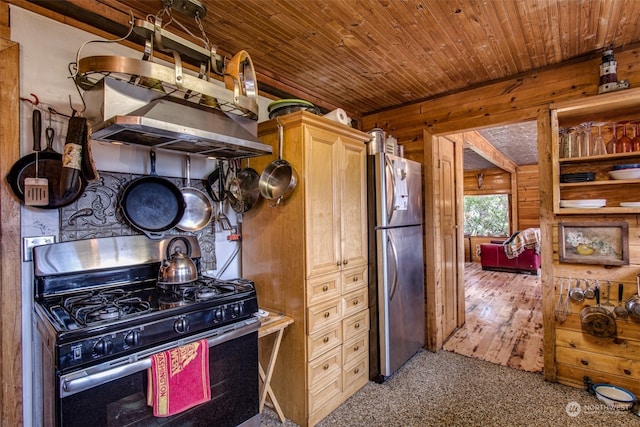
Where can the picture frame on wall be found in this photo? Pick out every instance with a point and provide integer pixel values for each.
(603, 243)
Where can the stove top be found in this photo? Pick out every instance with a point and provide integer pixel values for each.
(108, 304)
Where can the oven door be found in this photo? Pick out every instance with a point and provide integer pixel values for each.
(108, 395)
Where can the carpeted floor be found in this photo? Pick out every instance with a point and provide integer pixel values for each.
(446, 389)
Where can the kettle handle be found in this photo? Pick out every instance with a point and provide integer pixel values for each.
(184, 240)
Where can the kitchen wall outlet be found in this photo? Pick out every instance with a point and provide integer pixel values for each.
(28, 243)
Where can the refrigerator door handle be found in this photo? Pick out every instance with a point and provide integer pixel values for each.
(391, 187)
(394, 282)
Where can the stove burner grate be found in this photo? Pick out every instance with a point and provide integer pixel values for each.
(104, 305)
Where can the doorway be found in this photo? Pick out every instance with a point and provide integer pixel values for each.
(501, 312)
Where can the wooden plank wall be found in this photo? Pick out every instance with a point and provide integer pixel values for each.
(10, 260)
(526, 97)
(528, 197)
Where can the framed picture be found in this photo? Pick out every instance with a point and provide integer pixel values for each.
(594, 243)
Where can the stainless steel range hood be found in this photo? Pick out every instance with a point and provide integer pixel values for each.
(122, 113)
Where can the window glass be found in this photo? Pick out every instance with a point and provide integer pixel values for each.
(486, 215)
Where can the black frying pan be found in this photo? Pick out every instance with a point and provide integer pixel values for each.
(152, 204)
(49, 167)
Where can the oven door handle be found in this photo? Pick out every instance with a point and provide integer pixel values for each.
(85, 379)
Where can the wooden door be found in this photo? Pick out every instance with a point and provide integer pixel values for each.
(449, 233)
(322, 202)
(353, 210)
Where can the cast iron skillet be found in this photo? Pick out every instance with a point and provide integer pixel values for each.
(152, 204)
(49, 167)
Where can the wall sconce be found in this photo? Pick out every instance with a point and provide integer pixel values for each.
(480, 178)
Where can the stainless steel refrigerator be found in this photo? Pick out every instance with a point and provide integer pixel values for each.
(396, 273)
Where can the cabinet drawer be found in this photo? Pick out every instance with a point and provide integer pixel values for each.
(355, 348)
(323, 394)
(355, 375)
(323, 288)
(355, 301)
(354, 278)
(325, 368)
(324, 314)
(354, 325)
(323, 340)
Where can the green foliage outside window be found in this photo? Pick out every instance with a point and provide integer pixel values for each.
(486, 215)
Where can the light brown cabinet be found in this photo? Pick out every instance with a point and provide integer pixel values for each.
(617, 107)
(308, 258)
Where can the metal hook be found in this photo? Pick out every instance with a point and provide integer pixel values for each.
(36, 100)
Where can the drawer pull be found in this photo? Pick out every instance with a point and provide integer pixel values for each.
(356, 348)
(339, 263)
(326, 366)
(355, 302)
(345, 262)
(325, 288)
(356, 371)
(325, 340)
(326, 315)
(357, 326)
(355, 278)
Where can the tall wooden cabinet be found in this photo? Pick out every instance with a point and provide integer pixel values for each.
(308, 258)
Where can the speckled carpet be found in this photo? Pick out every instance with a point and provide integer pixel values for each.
(446, 389)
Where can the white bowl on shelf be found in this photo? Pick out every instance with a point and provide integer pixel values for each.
(625, 174)
(584, 203)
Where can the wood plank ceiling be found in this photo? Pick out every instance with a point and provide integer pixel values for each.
(371, 55)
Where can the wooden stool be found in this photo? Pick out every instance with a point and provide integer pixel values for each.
(274, 322)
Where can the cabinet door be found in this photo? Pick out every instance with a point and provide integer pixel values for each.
(353, 209)
(322, 202)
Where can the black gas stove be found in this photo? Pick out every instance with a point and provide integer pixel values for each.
(100, 314)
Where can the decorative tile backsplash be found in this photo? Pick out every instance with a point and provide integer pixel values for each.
(97, 213)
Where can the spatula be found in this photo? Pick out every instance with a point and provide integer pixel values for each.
(36, 190)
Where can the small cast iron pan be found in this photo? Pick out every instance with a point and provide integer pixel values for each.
(152, 204)
(49, 167)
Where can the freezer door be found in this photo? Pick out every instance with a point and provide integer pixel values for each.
(398, 191)
(401, 301)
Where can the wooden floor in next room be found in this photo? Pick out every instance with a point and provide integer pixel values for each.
(503, 319)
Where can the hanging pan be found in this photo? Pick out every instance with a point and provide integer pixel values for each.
(49, 167)
(278, 179)
(244, 191)
(598, 321)
(152, 204)
(198, 206)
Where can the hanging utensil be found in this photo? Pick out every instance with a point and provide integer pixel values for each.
(36, 190)
(633, 303)
(620, 309)
(576, 294)
(607, 304)
(567, 301)
(244, 191)
(590, 292)
(224, 222)
(560, 312)
(278, 179)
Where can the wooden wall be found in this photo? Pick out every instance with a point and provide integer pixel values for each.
(527, 97)
(10, 260)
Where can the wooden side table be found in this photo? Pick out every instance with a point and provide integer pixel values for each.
(273, 323)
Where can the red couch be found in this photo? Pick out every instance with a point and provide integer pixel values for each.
(493, 257)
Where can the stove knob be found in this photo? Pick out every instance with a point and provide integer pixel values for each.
(181, 325)
(103, 347)
(217, 315)
(132, 338)
(235, 310)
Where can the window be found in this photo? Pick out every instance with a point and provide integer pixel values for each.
(486, 215)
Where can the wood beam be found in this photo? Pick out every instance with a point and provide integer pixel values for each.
(479, 144)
